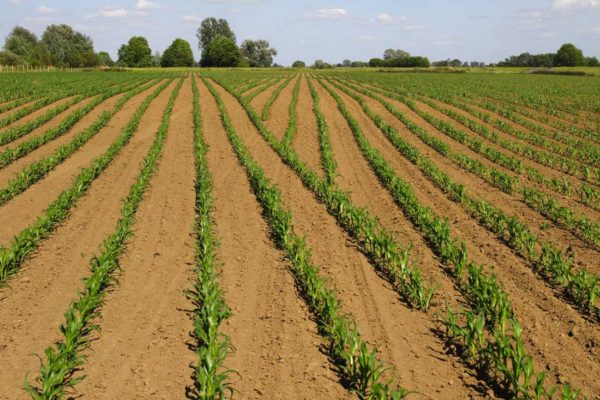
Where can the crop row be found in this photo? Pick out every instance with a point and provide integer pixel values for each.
(498, 340)
(581, 287)
(265, 113)
(212, 346)
(27, 241)
(580, 225)
(357, 361)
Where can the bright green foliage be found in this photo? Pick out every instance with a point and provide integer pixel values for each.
(221, 52)
(136, 53)
(178, 54)
(68, 48)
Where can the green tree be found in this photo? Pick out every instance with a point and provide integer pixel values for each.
(210, 30)
(9, 58)
(569, 56)
(298, 64)
(24, 44)
(592, 62)
(376, 62)
(105, 60)
(69, 48)
(258, 53)
(221, 52)
(390, 54)
(136, 53)
(178, 54)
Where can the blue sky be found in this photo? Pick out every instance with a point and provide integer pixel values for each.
(332, 30)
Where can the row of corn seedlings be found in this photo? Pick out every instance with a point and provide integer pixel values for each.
(40, 168)
(14, 153)
(65, 358)
(292, 128)
(388, 256)
(212, 346)
(34, 107)
(557, 162)
(580, 225)
(499, 350)
(357, 361)
(28, 240)
(581, 287)
(266, 110)
(262, 88)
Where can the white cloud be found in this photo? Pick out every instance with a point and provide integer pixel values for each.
(387, 19)
(565, 4)
(330, 13)
(147, 5)
(192, 18)
(45, 10)
(114, 13)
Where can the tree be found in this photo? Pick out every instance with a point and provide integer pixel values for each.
(346, 63)
(298, 64)
(210, 30)
(104, 59)
(178, 54)
(376, 62)
(391, 54)
(23, 44)
(569, 56)
(9, 58)
(358, 64)
(68, 48)
(257, 53)
(592, 62)
(136, 53)
(320, 64)
(221, 52)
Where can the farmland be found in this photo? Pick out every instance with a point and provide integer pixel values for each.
(299, 234)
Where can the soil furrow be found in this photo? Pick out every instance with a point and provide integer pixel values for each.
(35, 114)
(573, 356)
(402, 335)
(278, 349)
(22, 210)
(142, 348)
(49, 280)
(279, 114)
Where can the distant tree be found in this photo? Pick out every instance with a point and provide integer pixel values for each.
(391, 54)
(376, 62)
(258, 53)
(592, 62)
(455, 63)
(68, 48)
(9, 58)
(358, 64)
(320, 64)
(178, 54)
(346, 63)
(569, 56)
(408, 62)
(211, 29)
(104, 59)
(221, 52)
(156, 59)
(298, 64)
(24, 44)
(136, 53)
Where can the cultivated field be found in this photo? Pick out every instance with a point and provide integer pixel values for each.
(299, 235)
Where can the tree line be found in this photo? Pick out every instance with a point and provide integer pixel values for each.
(61, 46)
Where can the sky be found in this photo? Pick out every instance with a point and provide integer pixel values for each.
(331, 30)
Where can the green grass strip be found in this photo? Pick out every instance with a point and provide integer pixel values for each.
(292, 127)
(28, 240)
(357, 361)
(65, 358)
(266, 110)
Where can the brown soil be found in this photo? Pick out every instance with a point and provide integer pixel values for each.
(13, 169)
(306, 139)
(142, 349)
(259, 101)
(53, 123)
(573, 356)
(16, 109)
(403, 335)
(279, 115)
(277, 346)
(50, 279)
(546, 230)
(35, 114)
(22, 210)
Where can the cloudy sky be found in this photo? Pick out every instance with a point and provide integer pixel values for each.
(333, 30)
